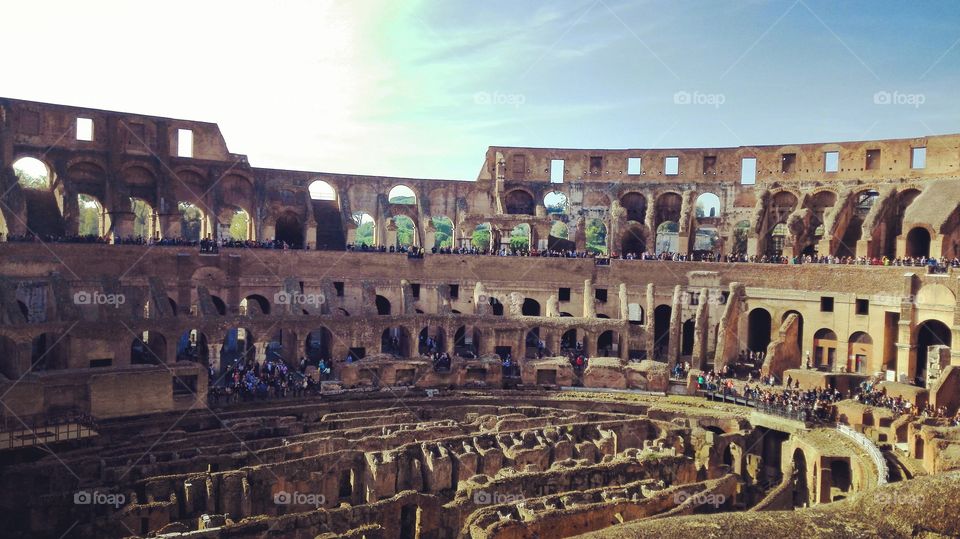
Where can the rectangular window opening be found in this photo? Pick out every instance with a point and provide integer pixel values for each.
(863, 306)
(84, 129)
(748, 171)
(671, 166)
(339, 288)
(709, 165)
(788, 163)
(454, 291)
(415, 288)
(826, 304)
(873, 160)
(556, 171)
(831, 161)
(184, 143)
(600, 294)
(634, 166)
(563, 294)
(596, 164)
(918, 158)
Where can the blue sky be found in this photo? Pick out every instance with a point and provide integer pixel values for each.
(418, 88)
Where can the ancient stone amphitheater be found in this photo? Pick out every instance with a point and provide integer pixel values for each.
(831, 265)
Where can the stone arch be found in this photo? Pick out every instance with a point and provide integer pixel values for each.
(395, 341)
(317, 346)
(256, 305)
(219, 304)
(687, 336)
(530, 341)
(667, 208)
(707, 206)
(608, 343)
(93, 219)
(668, 237)
(431, 340)
(289, 229)
(193, 222)
(633, 239)
(759, 329)
(825, 348)
(596, 236)
(467, 343)
(569, 340)
(496, 307)
(519, 202)
(556, 202)
(853, 230)
(43, 196)
(443, 231)
(238, 345)
(406, 231)
(192, 346)
(402, 194)
(366, 229)
(918, 242)
(635, 205)
(927, 334)
(146, 222)
(321, 190)
(799, 327)
(150, 348)
(531, 307)
(801, 491)
(859, 351)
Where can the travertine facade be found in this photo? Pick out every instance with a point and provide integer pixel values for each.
(62, 351)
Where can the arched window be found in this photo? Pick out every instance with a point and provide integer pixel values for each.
(401, 194)
(321, 190)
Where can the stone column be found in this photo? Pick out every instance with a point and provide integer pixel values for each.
(391, 234)
(624, 302)
(213, 355)
(589, 301)
(673, 353)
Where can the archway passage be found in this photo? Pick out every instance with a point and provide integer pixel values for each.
(317, 346)
(686, 343)
(401, 194)
(466, 342)
(326, 213)
(799, 328)
(596, 233)
(918, 242)
(431, 340)
(824, 349)
(191, 222)
(568, 341)
(43, 197)
(555, 202)
(532, 344)
(801, 493)
(608, 344)
(932, 333)
(661, 331)
(238, 347)
(92, 220)
(149, 349)
(633, 241)
(707, 206)
(636, 206)
(668, 237)
(496, 307)
(519, 202)
(192, 346)
(406, 231)
(289, 230)
(9, 365)
(559, 237)
(145, 219)
(531, 307)
(395, 341)
(366, 229)
(759, 328)
(859, 352)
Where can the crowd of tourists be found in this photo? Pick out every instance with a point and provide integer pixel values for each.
(50, 238)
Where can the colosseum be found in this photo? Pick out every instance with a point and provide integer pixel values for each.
(751, 341)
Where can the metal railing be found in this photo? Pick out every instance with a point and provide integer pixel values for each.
(870, 448)
(15, 433)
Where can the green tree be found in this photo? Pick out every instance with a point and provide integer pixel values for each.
(239, 225)
(559, 230)
(142, 217)
(365, 233)
(190, 217)
(519, 237)
(405, 230)
(89, 218)
(31, 182)
(444, 231)
(481, 236)
(596, 237)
